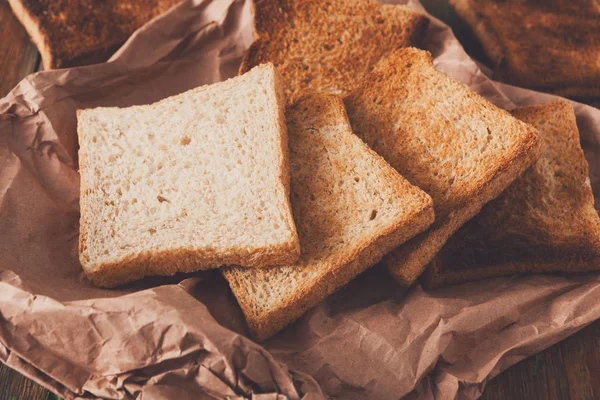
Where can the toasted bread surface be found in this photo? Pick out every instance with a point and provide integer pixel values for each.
(551, 45)
(350, 208)
(444, 138)
(328, 46)
(71, 33)
(544, 222)
(195, 181)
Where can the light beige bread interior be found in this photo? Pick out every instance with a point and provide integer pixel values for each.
(444, 138)
(195, 181)
(350, 208)
(329, 45)
(550, 45)
(544, 222)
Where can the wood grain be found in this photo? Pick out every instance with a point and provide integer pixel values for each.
(14, 386)
(18, 56)
(569, 370)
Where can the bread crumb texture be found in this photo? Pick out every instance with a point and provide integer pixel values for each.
(350, 208)
(195, 181)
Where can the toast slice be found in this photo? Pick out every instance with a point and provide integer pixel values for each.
(452, 143)
(194, 181)
(328, 46)
(551, 45)
(350, 208)
(72, 33)
(544, 222)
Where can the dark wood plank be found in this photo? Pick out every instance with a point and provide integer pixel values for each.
(14, 386)
(569, 370)
(18, 56)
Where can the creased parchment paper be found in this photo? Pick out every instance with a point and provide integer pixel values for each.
(184, 337)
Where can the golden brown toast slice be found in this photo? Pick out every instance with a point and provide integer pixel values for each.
(328, 46)
(544, 222)
(550, 45)
(452, 143)
(350, 208)
(71, 33)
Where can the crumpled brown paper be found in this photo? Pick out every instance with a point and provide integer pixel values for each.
(184, 337)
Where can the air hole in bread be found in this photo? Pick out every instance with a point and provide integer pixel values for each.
(357, 179)
(185, 140)
(152, 231)
(162, 199)
(373, 215)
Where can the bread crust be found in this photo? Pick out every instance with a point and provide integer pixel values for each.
(408, 262)
(343, 267)
(133, 266)
(365, 256)
(32, 25)
(544, 222)
(72, 33)
(279, 38)
(535, 44)
(184, 260)
(375, 117)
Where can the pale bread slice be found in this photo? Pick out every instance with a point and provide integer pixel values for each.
(350, 208)
(444, 138)
(195, 181)
(544, 222)
(328, 46)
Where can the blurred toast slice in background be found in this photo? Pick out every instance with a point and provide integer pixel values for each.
(350, 208)
(71, 33)
(550, 45)
(544, 222)
(328, 46)
(448, 140)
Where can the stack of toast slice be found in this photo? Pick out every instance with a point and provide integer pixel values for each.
(328, 46)
(350, 207)
(544, 222)
(377, 156)
(551, 45)
(444, 138)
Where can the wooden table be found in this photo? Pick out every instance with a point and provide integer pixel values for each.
(568, 370)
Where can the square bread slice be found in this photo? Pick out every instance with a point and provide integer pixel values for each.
(328, 46)
(195, 181)
(550, 45)
(350, 208)
(544, 222)
(69, 33)
(452, 143)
